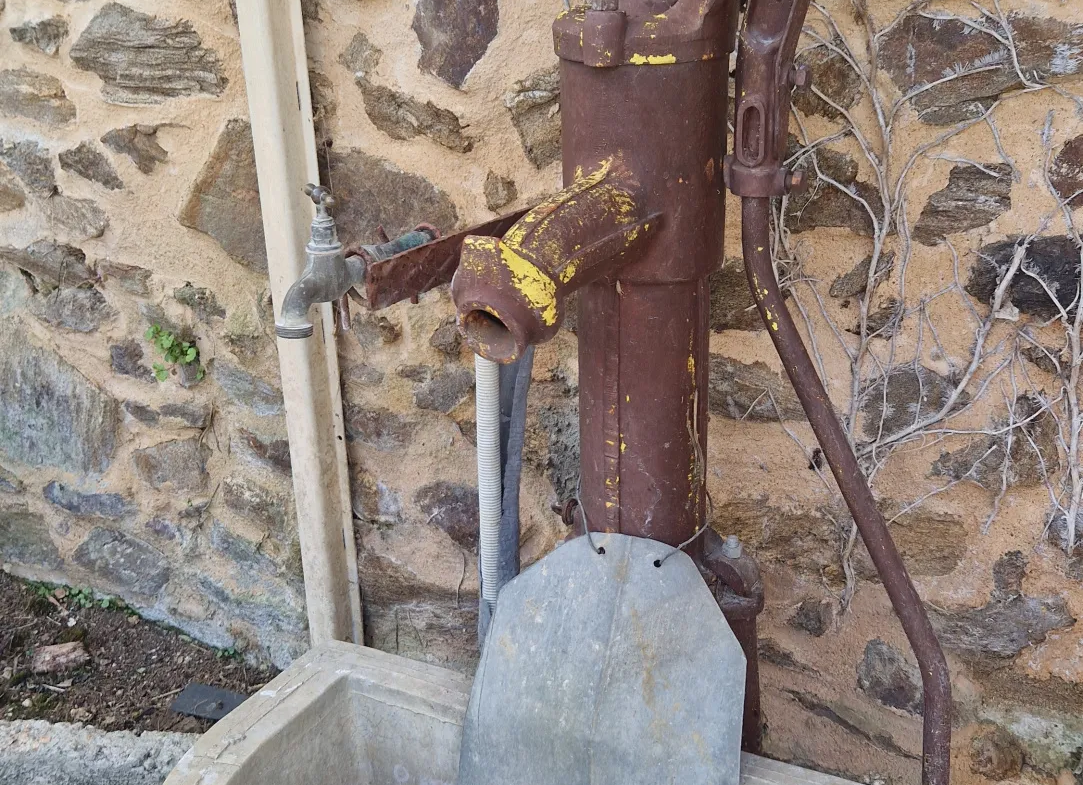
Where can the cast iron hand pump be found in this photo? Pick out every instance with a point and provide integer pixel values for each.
(635, 233)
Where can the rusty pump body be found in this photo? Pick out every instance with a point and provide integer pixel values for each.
(635, 234)
(637, 231)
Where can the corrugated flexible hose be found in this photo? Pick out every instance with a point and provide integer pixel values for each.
(490, 486)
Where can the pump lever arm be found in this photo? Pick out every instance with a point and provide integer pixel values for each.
(756, 172)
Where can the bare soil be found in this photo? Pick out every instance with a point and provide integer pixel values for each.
(136, 668)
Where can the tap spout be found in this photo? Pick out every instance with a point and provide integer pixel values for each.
(510, 292)
(329, 273)
(320, 283)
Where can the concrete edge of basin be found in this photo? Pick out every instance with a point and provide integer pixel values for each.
(425, 689)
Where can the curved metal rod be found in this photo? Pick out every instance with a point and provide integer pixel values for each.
(936, 760)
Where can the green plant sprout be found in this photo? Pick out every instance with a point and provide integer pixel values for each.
(80, 597)
(84, 598)
(174, 352)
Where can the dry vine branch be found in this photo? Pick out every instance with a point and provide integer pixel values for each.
(1069, 376)
(874, 354)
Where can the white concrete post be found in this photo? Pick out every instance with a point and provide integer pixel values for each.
(280, 107)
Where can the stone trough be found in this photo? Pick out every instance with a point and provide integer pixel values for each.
(350, 715)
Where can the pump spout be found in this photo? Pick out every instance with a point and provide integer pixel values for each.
(510, 292)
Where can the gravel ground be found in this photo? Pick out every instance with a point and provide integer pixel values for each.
(35, 752)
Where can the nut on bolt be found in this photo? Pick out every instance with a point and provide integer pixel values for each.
(731, 548)
(801, 77)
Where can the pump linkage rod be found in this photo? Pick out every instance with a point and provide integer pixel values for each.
(755, 172)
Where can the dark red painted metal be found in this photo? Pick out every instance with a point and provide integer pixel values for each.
(755, 172)
(687, 31)
(935, 676)
(740, 595)
(417, 270)
(765, 77)
(649, 85)
(643, 335)
(653, 88)
(511, 292)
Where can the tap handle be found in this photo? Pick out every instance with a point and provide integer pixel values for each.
(321, 197)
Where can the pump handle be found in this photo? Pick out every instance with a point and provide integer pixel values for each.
(321, 196)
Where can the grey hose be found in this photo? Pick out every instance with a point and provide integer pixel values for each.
(514, 390)
(490, 475)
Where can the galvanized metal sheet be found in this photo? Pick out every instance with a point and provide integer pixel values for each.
(609, 670)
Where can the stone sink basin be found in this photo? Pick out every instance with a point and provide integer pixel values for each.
(350, 715)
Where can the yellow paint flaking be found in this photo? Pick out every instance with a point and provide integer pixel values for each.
(474, 262)
(638, 59)
(569, 269)
(537, 287)
(516, 236)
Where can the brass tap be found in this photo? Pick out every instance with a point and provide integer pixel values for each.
(328, 273)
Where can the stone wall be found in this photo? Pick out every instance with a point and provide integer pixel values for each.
(128, 199)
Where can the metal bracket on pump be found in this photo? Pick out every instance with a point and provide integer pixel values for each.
(765, 76)
(393, 270)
